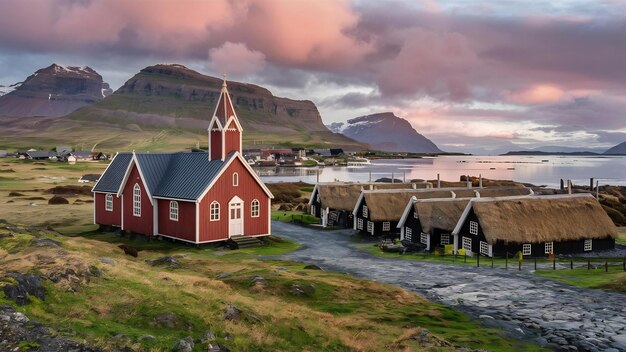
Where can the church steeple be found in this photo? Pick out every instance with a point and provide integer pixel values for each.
(224, 129)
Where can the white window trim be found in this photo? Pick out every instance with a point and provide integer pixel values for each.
(174, 210)
(445, 239)
(473, 228)
(527, 249)
(235, 179)
(467, 244)
(408, 234)
(484, 248)
(415, 214)
(424, 238)
(548, 248)
(137, 200)
(217, 214)
(365, 212)
(108, 202)
(386, 226)
(588, 245)
(255, 208)
(359, 224)
(370, 227)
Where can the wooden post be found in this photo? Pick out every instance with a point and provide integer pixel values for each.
(492, 261)
(480, 180)
(571, 264)
(591, 184)
(588, 264)
(535, 263)
(438, 181)
(606, 266)
(506, 261)
(478, 261)
(554, 264)
(598, 190)
(404, 176)
(465, 257)
(519, 265)
(392, 177)
(318, 175)
(562, 185)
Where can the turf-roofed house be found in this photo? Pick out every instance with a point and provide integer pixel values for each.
(195, 197)
(430, 222)
(536, 226)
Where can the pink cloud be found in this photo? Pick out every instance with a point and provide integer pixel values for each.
(236, 58)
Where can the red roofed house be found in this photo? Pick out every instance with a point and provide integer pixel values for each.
(194, 197)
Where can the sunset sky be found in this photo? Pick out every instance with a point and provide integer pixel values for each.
(472, 75)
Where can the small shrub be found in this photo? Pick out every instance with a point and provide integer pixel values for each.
(58, 200)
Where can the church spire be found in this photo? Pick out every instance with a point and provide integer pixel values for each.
(224, 129)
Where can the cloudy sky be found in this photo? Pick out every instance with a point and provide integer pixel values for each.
(472, 75)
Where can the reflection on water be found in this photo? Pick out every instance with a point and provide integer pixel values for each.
(539, 170)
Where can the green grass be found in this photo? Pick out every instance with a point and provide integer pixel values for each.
(614, 279)
(332, 311)
(291, 216)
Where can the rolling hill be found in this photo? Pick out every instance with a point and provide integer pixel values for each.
(168, 107)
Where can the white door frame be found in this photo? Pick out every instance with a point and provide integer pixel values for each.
(235, 225)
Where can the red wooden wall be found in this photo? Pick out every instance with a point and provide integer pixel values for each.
(185, 227)
(216, 145)
(223, 191)
(133, 223)
(103, 217)
(232, 139)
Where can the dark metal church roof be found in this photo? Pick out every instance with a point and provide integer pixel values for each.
(168, 175)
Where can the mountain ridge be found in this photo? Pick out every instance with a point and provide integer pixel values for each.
(387, 132)
(53, 91)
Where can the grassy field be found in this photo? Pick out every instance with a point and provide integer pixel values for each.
(596, 277)
(294, 216)
(284, 307)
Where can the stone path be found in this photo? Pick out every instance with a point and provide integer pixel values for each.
(527, 307)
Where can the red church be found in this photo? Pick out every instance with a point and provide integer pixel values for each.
(193, 197)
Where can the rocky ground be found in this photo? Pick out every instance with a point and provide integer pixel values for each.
(555, 315)
(19, 333)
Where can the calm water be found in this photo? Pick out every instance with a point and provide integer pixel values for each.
(538, 170)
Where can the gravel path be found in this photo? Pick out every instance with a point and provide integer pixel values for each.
(528, 307)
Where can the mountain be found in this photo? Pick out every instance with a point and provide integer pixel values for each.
(387, 132)
(176, 98)
(619, 149)
(53, 91)
(560, 149)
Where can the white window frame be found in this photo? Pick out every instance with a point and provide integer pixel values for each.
(484, 248)
(365, 212)
(445, 239)
(235, 179)
(214, 211)
(108, 202)
(467, 244)
(313, 210)
(137, 200)
(548, 248)
(255, 208)
(386, 226)
(473, 228)
(527, 249)
(174, 210)
(359, 224)
(424, 238)
(370, 227)
(415, 214)
(408, 234)
(588, 245)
